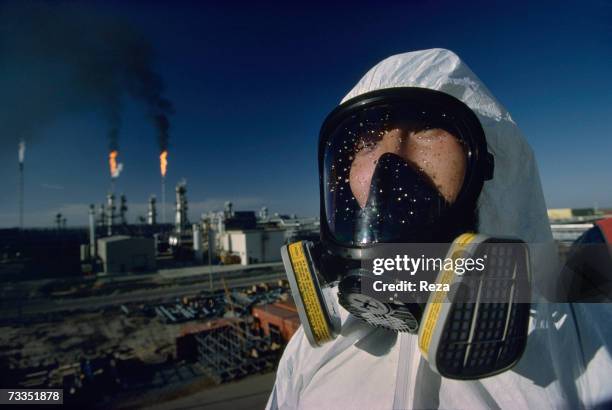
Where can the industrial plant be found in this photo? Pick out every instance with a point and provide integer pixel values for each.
(115, 310)
(124, 313)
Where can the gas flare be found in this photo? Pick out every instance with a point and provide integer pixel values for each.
(115, 168)
(163, 162)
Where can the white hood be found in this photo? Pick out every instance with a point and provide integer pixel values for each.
(512, 203)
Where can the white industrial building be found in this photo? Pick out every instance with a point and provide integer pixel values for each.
(121, 254)
(256, 238)
(253, 245)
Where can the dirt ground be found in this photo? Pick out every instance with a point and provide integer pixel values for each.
(90, 335)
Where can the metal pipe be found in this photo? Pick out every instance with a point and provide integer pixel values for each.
(21, 156)
(21, 195)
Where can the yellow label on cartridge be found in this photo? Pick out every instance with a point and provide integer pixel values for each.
(308, 293)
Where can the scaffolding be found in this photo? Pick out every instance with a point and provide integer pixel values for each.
(231, 349)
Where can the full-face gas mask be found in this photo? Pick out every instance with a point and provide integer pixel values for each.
(400, 171)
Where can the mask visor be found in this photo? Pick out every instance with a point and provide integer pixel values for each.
(390, 174)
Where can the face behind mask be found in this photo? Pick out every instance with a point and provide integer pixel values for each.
(406, 166)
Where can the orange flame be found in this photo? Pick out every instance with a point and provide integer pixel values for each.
(163, 162)
(112, 161)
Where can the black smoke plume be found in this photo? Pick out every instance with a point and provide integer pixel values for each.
(62, 58)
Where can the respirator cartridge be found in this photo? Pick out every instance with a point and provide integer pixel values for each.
(315, 302)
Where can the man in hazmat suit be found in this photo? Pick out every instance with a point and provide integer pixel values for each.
(494, 183)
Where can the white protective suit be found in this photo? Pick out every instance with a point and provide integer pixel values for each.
(567, 362)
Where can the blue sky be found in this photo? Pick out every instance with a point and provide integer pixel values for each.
(252, 84)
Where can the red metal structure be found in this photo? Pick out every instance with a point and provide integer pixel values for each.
(279, 318)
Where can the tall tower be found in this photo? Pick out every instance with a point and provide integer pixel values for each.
(152, 213)
(123, 209)
(21, 155)
(181, 208)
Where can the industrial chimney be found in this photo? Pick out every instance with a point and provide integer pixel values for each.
(229, 210)
(21, 155)
(152, 214)
(181, 208)
(123, 210)
(102, 216)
